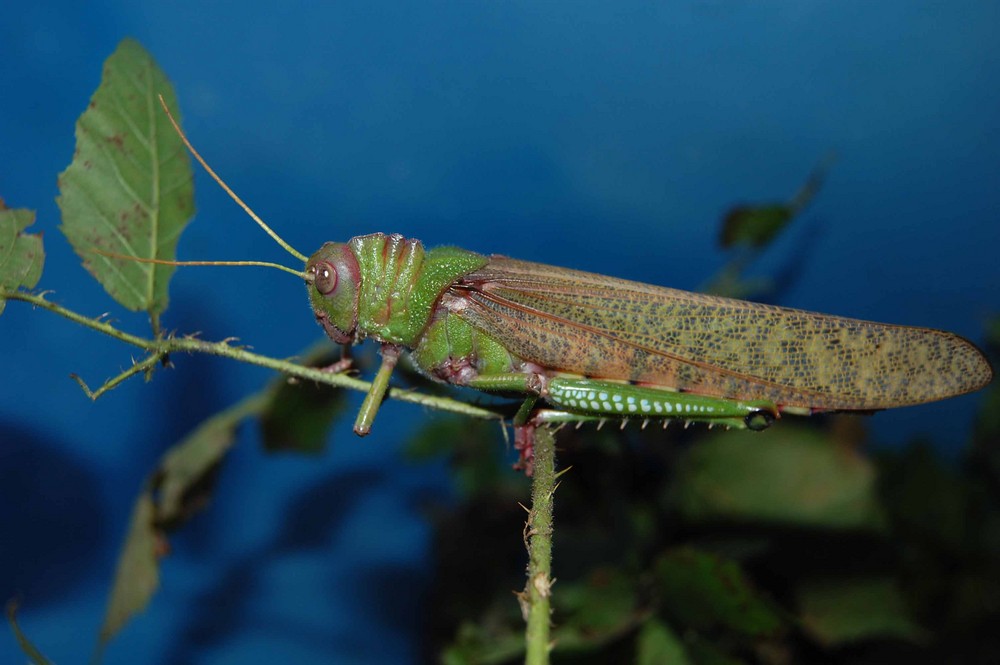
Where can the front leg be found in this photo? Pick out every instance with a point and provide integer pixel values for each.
(380, 385)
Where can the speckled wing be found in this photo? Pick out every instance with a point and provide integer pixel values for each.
(602, 327)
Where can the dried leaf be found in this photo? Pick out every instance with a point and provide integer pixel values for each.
(129, 188)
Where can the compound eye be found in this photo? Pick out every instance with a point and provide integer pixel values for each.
(326, 278)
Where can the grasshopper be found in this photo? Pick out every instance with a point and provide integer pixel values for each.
(595, 347)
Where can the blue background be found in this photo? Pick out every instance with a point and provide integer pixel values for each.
(607, 136)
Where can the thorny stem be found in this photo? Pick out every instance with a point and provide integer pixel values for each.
(163, 346)
(144, 365)
(538, 588)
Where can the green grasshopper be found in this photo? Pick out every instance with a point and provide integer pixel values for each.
(596, 347)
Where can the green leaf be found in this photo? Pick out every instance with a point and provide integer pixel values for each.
(299, 414)
(835, 612)
(705, 591)
(657, 644)
(30, 650)
(138, 573)
(21, 254)
(129, 188)
(788, 475)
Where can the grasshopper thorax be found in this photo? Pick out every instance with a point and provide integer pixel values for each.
(333, 280)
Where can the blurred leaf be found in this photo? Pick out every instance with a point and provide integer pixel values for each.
(658, 645)
(138, 574)
(835, 612)
(437, 439)
(925, 498)
(299, 414)
(184, 477)
(30, 650)
(178, 488)
(993, 333)
(476, 645)
(788, 474)
(729, 282)
(705, 652)
(602, 608)
(704, 591)
(475, 457)
(129, 188)
(755, 226)
(21, 254)
(987, 429)
(949, 523)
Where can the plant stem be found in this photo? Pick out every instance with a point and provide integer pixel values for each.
(539, 586)
(166, 345)
(145, 365)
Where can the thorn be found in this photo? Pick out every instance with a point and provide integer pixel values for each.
(711, 425)
(624, 422)
(687, 423)
(503, 430)
(579, 424)
(645, 421)
(600, 424)
(666, 421)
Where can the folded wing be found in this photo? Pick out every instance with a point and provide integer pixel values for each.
(603, 327)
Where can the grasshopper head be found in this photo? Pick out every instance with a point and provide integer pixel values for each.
(334, 280)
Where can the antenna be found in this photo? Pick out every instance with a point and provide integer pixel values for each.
(260, 222)
(164, 262)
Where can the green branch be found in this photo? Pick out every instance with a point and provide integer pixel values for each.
(538, 589)
(161, 347)
(140, 367)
